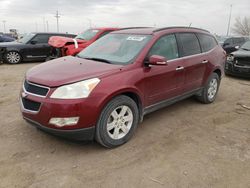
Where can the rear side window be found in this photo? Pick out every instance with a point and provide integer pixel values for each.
(190, 44)
(166, 46)
(207, 42)
(41, 38)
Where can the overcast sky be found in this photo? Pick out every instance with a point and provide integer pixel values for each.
(78, 15)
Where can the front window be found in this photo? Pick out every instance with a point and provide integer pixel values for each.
(246, 46)
(87, 35)
(116, 48)
(26, 38)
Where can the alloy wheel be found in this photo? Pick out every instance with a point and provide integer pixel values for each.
(120, 122)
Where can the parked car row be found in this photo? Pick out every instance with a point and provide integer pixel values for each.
(104, 91)
(32, 47)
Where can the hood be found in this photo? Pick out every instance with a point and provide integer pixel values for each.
(8, 44)
(241, 53)
(67, 70)
(58, 42)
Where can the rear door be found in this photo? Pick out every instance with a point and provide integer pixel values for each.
(193, 61)
(164, 82)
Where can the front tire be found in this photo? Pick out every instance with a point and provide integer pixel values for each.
(117, 122)
(209, 92)
(12, 57)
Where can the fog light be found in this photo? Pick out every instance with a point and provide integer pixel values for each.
(61, 122)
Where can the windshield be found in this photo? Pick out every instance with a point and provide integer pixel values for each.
(116, 48)
(246, 46)
(221, 39)
(87, 35)
(26, 38)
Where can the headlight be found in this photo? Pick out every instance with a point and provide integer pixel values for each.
(230, 58)
(75, 91)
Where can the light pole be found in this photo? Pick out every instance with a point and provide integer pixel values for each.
(90, 23)
(4, 26)
(47, 23)
(57, 20)
(229, 20)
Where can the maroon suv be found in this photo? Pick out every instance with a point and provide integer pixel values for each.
(104, 92)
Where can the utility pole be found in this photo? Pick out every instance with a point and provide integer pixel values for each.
(47, 24)
(90, 23)
(44, 26)
(57, 20)
(229, 20)
(4, 26)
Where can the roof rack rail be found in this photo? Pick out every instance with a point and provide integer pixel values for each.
(134, 28)
(176, 27)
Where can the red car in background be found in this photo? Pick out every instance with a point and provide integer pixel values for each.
(63, 46)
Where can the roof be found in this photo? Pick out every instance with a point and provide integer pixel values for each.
(53, 33)
(152, 30)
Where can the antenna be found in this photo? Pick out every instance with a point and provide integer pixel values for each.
(57, 20)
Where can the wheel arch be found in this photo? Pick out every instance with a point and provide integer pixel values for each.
(129, 92)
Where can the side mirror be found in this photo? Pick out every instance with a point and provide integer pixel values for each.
(33, 42)
(225, 44)
(157, 60)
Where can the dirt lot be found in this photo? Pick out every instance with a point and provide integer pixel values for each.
(185, 145)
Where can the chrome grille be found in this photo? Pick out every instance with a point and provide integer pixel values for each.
(35, 89)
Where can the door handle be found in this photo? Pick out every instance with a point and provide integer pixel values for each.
(204, 61)
(179, 68)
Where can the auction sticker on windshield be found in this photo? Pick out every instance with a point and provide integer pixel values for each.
(136, 38)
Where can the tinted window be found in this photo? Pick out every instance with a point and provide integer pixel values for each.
(228, 41)
(166, 46)
(238, 40)
(190, 44)
(41, 38)
(207, 42)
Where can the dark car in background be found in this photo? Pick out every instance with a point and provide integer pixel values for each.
(233, 43)
(32, 47)
(238, 62)
(4, 38)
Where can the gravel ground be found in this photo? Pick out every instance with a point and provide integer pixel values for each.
(185, 145)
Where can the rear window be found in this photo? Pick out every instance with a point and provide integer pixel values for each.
(207, 42)
(190, 44)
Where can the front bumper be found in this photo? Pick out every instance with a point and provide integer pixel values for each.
(77, 134)
(234, 70)
(39, 110)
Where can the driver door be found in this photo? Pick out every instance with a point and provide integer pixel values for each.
(164, 82)
(38, 48)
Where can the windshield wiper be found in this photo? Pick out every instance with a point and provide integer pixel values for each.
(245, 49)
(98, 59)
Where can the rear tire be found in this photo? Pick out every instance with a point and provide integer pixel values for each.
(12, 57)
(209, 92)
(117, 122)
